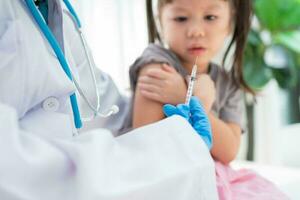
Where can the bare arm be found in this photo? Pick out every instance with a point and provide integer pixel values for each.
(226, 139)
(146, 110)
(226, 136)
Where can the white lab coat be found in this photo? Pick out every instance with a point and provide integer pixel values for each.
(40, 158)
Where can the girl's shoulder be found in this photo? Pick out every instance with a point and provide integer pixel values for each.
(159, 53)
(154, 54)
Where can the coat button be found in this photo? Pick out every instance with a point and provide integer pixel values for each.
(51, 104)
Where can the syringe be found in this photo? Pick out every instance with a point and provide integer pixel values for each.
(191, 83)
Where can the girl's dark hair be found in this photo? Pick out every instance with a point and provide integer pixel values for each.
(242, 17)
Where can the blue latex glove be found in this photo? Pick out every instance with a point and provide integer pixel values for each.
(196, 116)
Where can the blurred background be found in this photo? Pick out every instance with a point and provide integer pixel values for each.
(117, 34)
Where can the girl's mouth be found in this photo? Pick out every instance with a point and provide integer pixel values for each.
(196, 50)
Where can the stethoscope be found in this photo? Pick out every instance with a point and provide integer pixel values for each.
(63, 62)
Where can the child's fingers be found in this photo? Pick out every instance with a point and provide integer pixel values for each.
(168, 68)
(150, 81)
(151, 95)
(157, 73)
(149, 87)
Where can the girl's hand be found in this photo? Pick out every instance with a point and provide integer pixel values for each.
(205, 90)
(163, 84)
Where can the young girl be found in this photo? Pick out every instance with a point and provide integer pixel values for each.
(190, 29)
(186, 30)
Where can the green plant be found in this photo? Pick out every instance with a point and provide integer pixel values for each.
(276, 27)
(276, 30)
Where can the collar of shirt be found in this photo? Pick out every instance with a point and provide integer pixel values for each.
(55, 20)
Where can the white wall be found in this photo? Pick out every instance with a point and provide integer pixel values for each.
(275, 142)
(116, 32)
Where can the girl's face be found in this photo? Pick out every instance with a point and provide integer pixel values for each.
(194, 28)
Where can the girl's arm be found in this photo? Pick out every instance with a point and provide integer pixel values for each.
(226, 139)
(150, 97)
(226, 136)
(145, 110)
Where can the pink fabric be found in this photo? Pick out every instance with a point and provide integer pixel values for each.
(244, 185)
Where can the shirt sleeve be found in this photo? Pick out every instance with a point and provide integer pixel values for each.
(234, 109)
(153, 54)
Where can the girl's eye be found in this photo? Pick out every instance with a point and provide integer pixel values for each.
(180, 19)
(210, 17)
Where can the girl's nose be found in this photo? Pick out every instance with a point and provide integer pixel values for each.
(196, 30)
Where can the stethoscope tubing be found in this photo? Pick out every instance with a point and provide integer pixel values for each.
(60, 55)
(63, 62)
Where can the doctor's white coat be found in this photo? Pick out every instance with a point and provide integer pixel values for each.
(40, 158)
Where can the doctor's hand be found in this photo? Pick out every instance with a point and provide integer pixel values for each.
(195, 114)
(163, 84)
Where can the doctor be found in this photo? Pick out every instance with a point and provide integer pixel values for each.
(49, 88)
